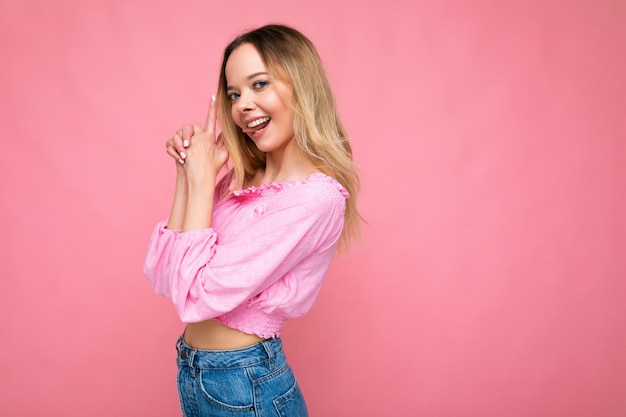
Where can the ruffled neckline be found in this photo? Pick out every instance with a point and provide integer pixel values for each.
(283, 185)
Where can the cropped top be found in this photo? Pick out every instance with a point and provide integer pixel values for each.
(262, 261)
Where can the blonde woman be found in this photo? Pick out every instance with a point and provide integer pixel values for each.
(239, 257)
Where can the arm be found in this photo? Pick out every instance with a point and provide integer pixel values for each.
(205, 157)
(205, 278)
(177, 213)
(157, 261)
(199, 157)
(175, 147)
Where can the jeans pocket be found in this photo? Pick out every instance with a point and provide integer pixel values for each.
(227, 389)
(291, 403)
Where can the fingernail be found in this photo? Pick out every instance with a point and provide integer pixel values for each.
(185, 143)
(213, 98)
(181, 161)
(183, 155)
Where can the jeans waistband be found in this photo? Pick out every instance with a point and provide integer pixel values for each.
(220, 359)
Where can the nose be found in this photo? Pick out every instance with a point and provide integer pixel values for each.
(245, 103)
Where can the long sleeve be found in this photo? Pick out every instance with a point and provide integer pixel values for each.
(273, 253)
(157, 259)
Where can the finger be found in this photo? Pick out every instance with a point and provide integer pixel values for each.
(209, 125)
(187, 134)
(179, 132)
(171, 151)
(197, 129)
(177, 144)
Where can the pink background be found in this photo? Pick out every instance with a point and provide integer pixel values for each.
(490, 136)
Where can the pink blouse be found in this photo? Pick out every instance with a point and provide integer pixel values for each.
(263, 260)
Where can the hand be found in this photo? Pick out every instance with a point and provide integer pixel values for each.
(175, 147)
(206, 154)
(211, 152)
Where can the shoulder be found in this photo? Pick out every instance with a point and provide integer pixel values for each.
(316, 189)
(314, 185)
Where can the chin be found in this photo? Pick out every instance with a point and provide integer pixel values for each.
(264, 145)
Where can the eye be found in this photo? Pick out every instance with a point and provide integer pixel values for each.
(260, 84)
(233, 96)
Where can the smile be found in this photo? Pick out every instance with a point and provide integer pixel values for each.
(258, 122)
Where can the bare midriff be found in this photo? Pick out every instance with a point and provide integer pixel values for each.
(213, 335)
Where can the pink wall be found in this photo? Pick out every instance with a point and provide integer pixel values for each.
(490, 135)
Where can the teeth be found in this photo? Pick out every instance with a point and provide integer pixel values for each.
(259, 121)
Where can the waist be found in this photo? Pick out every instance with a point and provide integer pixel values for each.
(213, 335)
(229, 358)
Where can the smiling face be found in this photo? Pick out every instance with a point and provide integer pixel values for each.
(260, 103)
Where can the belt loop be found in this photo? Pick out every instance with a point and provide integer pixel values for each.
(179, 342)
(192, 368)
(270, 353)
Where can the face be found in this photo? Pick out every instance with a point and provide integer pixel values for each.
(259, 103)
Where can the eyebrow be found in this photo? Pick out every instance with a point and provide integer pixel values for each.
(249, 77)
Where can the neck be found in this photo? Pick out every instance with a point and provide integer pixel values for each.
(285, 165)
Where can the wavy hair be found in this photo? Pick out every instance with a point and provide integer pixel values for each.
(292, 58)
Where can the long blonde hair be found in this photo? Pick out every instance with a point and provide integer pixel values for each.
(291, 57)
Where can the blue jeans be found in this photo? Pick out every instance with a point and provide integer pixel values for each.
(255, 381)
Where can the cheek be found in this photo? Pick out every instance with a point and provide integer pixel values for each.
(287, 116)
(280, 109)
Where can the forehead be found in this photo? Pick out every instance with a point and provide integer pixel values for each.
(244, 61)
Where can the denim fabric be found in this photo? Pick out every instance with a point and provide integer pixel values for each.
(255, 381)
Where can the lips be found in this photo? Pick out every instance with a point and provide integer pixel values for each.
(257, 125)
(258, 121)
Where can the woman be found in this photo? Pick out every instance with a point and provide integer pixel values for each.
(240, 256)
